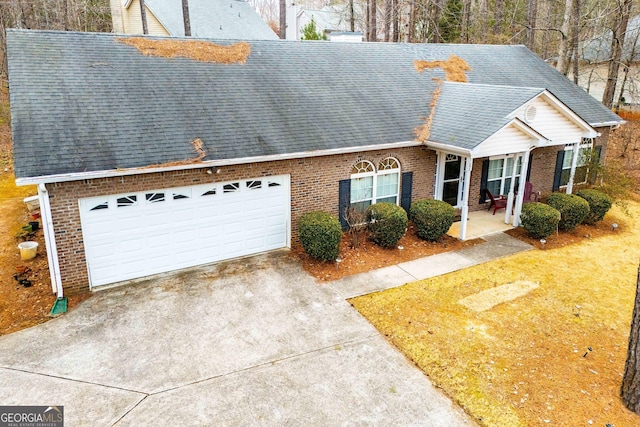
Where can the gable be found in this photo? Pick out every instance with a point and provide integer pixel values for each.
(132, 20)
(558, 127)
(508, 140)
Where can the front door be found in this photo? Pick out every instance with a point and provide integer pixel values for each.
(451, 172)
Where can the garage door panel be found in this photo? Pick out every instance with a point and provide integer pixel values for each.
(138, 234)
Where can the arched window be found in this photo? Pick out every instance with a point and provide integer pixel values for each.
(369, 186)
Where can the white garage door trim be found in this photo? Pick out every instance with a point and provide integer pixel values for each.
(132, 235)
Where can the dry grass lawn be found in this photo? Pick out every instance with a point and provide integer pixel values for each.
(526, 362)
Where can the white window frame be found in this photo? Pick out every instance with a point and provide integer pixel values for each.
(375, 173)
(442, 160)
(586, 144)
(506, 172)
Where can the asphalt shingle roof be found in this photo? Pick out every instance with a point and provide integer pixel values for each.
(462, 117)
(86, 102)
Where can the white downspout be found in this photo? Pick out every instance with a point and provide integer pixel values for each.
(50, 240)
(468, 166)
(574, 163)
(510, 196)
(519, 199)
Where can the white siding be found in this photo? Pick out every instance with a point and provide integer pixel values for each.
(506, 141)
(133, 22)
(551, 123)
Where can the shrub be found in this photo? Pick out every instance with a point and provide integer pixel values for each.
(433, 218)
(573, 209)
(320, 235)
(387, 223)
(599, 204)
(539, 220)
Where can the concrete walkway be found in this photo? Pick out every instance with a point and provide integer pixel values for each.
(497, 246)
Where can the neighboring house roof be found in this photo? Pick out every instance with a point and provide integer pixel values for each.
(598, 49)
(73, 111)
(218, 19)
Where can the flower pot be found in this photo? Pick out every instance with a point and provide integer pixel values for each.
(28, 250)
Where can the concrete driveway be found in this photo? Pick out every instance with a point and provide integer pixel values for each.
(249, 342)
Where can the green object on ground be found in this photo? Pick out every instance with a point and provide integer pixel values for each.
(59, 307)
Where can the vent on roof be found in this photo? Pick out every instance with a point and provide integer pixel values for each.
(530, 114)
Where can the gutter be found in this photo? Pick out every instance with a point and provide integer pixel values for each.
(47, 179)
(50, 240)
(449, 149)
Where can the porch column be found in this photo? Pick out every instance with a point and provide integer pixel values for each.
(511, 194)
(519, 199)
(464, 215)
(574, 163)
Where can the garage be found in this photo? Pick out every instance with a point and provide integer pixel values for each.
(137, 234)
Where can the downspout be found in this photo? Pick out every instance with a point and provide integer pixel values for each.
(574, 164)
(520, 198)
(464, 215)
(50, 240)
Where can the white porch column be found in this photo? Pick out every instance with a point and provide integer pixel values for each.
(523, 178)
(511, 194)
(464, 215)
(574, 163)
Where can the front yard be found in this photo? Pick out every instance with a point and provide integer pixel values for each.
(554, 356)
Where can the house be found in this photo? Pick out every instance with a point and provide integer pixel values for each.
(154, 154)
(328, 20)
(219, 19)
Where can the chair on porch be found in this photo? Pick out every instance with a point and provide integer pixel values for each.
(529, 195)
(498, 202)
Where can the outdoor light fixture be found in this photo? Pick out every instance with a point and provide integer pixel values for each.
(614, 226)
(542, 242)
(209, 171)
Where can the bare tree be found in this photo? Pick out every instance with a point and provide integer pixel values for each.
(143, 16)
(563, 48)
(186, 19)
(532, 13)
(373, 12)
(283, 19)
(619, 31)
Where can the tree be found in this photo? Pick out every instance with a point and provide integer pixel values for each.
(309, 32)
(630, 390)
(143, 16)
(619, 31)
(283, 19)
(185, 18)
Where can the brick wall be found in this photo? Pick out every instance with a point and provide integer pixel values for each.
(314, 186)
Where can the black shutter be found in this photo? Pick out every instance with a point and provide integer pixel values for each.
(598, 153)
(405, 191)
(529, 167)
(483, 181)
(558, 173)
(344, 194)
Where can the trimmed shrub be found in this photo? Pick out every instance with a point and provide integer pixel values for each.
(573, 209)
(539, 220)
(387, 223)
(599, 205)
(433, 218)
(320, 235)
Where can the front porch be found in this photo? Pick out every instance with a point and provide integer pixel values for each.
(481, 223)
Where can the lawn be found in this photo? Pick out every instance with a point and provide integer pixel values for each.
(526, 362)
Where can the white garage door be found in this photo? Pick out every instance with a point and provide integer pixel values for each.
(133, 235)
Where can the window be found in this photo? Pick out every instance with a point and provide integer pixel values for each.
(254, 185)
(369, 186)
(127, 201)
(582, 168)
(451, 179)
(154, 197)
(231, 188)
(500, 171)
(100, 206)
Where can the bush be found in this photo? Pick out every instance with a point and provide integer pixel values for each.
(573, 209)
(539, 220)
(599, 205)
(320, 235)
(433, 218)
(387, 223)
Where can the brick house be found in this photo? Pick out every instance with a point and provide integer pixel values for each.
(147, 163)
